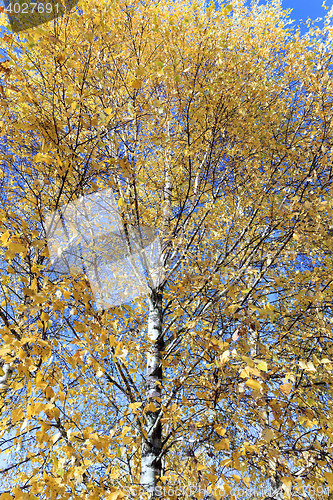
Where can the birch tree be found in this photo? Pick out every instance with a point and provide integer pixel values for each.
(213, 127)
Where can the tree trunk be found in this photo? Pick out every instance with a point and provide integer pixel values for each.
(275, 483)
(152, 445)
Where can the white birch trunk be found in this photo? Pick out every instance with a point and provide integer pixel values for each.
(274, 479)
(8, 370)
(152, 445)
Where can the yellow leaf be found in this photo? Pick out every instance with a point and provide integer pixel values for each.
(254, 371)
(220, 430)
(4, 238)
(311, 366)
(224, 357)
(18, 493)
(134, 406)
(125, 430)
(262, 366)
(17, 415)
(39, 380)
(112, 340)
(16, 247)
(89, 36)
(286, 481)
(248, 360)
(136, 84)
(247, 480)
(244, 373)
(232, 308)
(267, 435)
(151, 407)
(49, 393)
(49, 406)
(329, 477)
(80, 327)
(115, 495)
(140, 70)
(55, 437)
(40, 157)
(285, 388)
(211, 477)
(108, 111)
(125, 167)
(66, 294)
(254, 384)
(165, 478)
(226, 488)
(3, 352)
(114, 474)
(44, 316)
(37, 408)
(222, 445)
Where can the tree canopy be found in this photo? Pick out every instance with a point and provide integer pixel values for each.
(213, 126)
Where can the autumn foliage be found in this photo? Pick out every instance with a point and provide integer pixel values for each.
(213, 126)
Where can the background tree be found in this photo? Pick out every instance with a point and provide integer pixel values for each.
(213, 126)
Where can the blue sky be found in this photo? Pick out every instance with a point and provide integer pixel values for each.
(303, 9)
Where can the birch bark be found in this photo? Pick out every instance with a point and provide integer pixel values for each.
(152, 445)
(151, 462)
